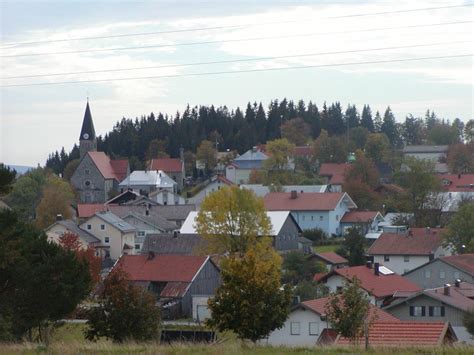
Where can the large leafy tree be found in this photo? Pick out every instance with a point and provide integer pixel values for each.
(251, 301)
(297, 267)
(125, 313)
(296, 131)
(207, 154)
(329, 149)
(348, 311)
(461, 158)
(353, 247)
(279, 151)
(231, 220)
(460, 230)
(40, 282)
(377, 147)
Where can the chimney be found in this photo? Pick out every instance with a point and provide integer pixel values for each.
(59, 217)
(369, 264)
(175, 234)
(428, 230)
(147, 212)
(376, 269)
(294, 194)
(151, 255)
(446, 289)
(457, 283)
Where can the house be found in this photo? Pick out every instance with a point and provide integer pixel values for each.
(458, 188)
(380, 283)
(174, 243)
(448, 303)
(174, 279)
(116, 236)
(335, 174)
(330, 259)
(285, 231)
(97, 176)
(62, 226)
(307, 320)
(261, 190)
(435, 153)
(313, 210)
(366, 221)
(404, 252)
(173, 167)
(146, 181)
(130, 197)
(165, 197)
(443, 270)
(238, 172)
(210, 186)
(398, 334)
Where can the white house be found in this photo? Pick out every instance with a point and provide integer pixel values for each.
(61, 227)
(313, 210)
(146, 181)
(261, 190)
(239, 170)
(405, 252)
(215, 184)
(306, 322)
(166, 197)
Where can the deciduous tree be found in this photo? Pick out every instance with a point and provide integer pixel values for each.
(310, 290)
(461, 158)
(296, 131)
(207, 154)
(353, 247)
(279, 151)
(329, 149)
(377, 147)
(297, 267)
(460, 230)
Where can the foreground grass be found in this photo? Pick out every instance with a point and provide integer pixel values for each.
(325, 248)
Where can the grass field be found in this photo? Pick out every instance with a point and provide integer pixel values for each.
(69, 339)
(325, 248)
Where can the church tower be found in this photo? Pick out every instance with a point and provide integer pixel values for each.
(87, 140)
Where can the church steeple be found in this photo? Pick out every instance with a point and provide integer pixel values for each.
(87, 139)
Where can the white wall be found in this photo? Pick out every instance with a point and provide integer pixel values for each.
(304, 317)
(398, 264)
(200, 305)
(335, 281)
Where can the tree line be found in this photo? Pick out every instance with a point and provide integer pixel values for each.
(149, 136)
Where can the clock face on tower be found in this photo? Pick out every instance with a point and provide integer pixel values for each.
(86, 136)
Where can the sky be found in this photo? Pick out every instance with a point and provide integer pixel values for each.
(258, 39)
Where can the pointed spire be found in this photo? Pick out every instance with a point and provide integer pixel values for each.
(87, 131)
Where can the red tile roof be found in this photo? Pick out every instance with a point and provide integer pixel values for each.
(460, 183)
(458, 297)
(86, 210)
(405, 334)
(304, 150)
(465, 262)
(335, 172)
(319, 275)
(332, 258)
(419, 242)
(418, 232)
(168, 165)
(377, 285)
(174, 289)
(224, 180)
(163, 267)
(319, 306)
(110, 169)
(306, 201)
(359, 216)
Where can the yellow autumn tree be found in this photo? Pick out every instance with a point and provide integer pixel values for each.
(232, 220)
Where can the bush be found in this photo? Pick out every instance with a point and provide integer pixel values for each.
(317, 236)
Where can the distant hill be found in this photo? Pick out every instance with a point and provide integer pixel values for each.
(21, 169)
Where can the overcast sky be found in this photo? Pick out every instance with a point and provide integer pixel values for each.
(36, 120)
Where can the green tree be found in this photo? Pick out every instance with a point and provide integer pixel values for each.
(297, 267)
(443, 134)
(41, 282)
(348, 311)
(7, 178)
(310, 290)
(156, 149)
(70, 169)
(296, 131)
(413, 130)
(461, 158)
(231, 220)
(390, 129)
(357, 138)
(251, 301)
(469, 131)
(377, 147)
(353, 247)
(206, 153)
(460, 230)
(329, 149)
(125, 313)
(366, 120)
(280, 151)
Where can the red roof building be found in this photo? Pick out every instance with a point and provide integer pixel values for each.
(331, 259)
(334, 172)
(465, 262)
(458, 183)
(168, 165)
(87, 210)
(110, 169)
(405, 334)
(360, 217)
(307, 201)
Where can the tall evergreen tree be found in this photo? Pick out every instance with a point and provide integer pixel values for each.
(389, 128)
(366, 119)
(351, 117)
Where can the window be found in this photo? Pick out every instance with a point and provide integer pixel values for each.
(137, 246)
(321, 218)
(337, 217)
(427, 274)
(107, 254)
(87, 183)
(417, 311)
(141, 233)
(436, 311)
(295, 328)
(312, 218)
(386, 258)
(102, 227)
(106, 240)
(457, 275)
(89, 226)
(313, 328)
(442, 274)
(87, 172)
(406, 258)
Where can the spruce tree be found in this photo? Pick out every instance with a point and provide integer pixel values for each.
(366, 119)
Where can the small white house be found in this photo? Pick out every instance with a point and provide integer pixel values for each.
(146, 181)
(216, 183)
(166, 197)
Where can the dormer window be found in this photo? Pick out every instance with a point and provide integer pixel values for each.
(87, 172)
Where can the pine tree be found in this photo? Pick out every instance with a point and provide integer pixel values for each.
(389, 128)
(366, 119)
(351, 117)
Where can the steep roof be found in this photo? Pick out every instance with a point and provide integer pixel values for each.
(161, 268)
(169, 165)
(331, 257)
(334, 171)
(87, 125)
(307, 201)
(86, 210)
(154, 178)
(360, 216)
(187, 244)
(418, 241)
(464, 262)
(110, 169)
(406, 334)
(319, 306)
(72, 227)
(377, 285)
(458, 183)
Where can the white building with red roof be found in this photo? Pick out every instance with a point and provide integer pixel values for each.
(174, 167)
(403, 252)
(175, 280)
(313, 210)
(330, 259)
(366, 221)
(334, 174)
